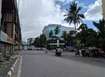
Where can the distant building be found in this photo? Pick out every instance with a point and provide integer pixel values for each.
(51, 27)
(24, 45)
(56, 40)
(30, 42)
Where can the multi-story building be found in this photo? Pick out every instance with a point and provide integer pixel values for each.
(56, 40)
(51, 27)
(10, 31)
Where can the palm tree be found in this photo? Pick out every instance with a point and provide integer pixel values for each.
(83, 27)
(74, 16)
(101, 33)
(101, 27)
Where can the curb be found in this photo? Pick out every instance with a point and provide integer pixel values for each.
(19, 68)
(12, 69)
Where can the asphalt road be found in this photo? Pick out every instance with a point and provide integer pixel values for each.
(39, 64)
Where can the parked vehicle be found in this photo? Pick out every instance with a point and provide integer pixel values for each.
(29, 49)
(101, 53)
(96, 52)
(91, 52)
(70, 49)
(77, 53)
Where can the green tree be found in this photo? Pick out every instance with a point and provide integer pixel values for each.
(83, 27)
(86, 37)
(51, 33)
(43, 40)
(57, 30)
(91, 39)
(64, 35)
(37, 42)
(101, 33)
(74, 16)
(101, 27)
(82, 35)
(68, 37)
(40, 41)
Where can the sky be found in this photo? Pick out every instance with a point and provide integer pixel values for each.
(35, 14)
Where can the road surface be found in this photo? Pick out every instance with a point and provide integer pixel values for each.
(39, 64)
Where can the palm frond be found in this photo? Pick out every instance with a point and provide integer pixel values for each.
(81, 15)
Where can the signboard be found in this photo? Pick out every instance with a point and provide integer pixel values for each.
(57, 43)
(4, 38)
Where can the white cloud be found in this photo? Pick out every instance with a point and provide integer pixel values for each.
(94, 11)
(35, 14)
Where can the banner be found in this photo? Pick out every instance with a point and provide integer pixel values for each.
(5, 38)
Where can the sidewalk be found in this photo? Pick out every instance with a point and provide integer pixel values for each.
(7, 68)
(16, 68)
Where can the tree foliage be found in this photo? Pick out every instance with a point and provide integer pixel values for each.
(40, 41)
(51, 33)
(68, 37)
(57, 30)
(74, 16)
(101, 33)
(87, 37)
(101, 27)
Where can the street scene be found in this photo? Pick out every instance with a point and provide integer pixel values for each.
(52, 38)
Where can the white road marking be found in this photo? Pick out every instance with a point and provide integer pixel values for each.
(19, 69)
(9, 73)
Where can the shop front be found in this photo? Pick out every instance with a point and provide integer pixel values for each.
(6, 45)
